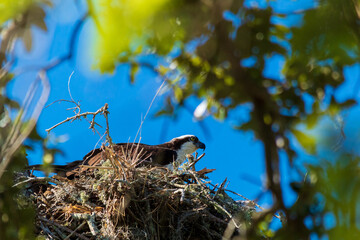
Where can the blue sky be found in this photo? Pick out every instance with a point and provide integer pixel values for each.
(235, 155)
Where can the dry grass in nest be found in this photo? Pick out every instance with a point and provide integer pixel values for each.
(120, 201)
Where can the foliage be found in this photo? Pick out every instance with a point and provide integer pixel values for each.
(9, 9)
(234, 44)
(17, 19)
(122, 26)
(16, 219)
(218, 51)
(17, 122)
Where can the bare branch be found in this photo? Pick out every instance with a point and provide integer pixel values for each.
(103, 110)
(60, 100)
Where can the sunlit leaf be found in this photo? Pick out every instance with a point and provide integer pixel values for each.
(307, 141)
(124, 26)
(312, 119)
(9, 8)
(162, 69)
(178, 93)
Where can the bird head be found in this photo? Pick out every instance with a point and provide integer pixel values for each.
(187, 144)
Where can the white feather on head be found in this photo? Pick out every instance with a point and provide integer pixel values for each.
(182, 137)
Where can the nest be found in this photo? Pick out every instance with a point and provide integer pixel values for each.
(120, 201)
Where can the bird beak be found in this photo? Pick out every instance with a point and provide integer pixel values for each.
(200, 145)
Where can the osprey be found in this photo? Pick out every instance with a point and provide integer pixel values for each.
(159, 155)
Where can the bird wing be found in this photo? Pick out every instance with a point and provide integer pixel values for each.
(163, 156)
(144, 154)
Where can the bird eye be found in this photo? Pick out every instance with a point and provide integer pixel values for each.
(193, 139)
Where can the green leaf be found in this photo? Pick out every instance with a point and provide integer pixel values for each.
(162, 69)
(121, 24)
(10, 9)
(134, 69)
(307, 141)
(178, 92)
(311, 120)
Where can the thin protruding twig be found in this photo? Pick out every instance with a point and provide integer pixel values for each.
(40, 179)
(253, 202)
(220, 188)
(107, 131)
(102, 110)
(72, 73)
(196, 160)
(142, 122)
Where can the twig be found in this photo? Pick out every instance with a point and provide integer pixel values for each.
(214, 202)
(253, 202)
(209, 214)
(107, 131)
(59, 100)
(40, 179)
(47, 230)
(96, 167)
(220, 188)
(193, 174)
(79, 115)
(224, 210)
(64, 228)
(72, 73)
(90, 220)
(182, 191)
(61, 234)
(142, 122)
(92, 226)
(191, 159)
(196, 160)
(72, 233)
(202, 125)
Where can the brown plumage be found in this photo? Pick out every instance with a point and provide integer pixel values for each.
(159, 155)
